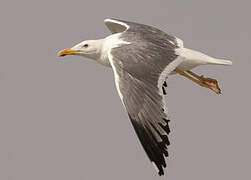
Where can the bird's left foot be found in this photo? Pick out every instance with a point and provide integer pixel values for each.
(211, 84)
(207, 82)
(202, 81)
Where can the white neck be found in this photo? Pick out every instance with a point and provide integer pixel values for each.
(103, 47)
(101, 52)
(98, 49)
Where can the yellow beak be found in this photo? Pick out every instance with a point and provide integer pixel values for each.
(65, 52)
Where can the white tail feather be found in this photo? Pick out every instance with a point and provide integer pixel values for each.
(221, 62)
(198, 58)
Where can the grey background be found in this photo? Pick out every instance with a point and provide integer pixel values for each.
(61, 118)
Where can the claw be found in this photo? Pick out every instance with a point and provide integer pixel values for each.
(211, 84)
(201, 80)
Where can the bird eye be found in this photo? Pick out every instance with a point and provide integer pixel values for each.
(85, 45)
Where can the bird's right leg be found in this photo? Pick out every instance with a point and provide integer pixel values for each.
(213, 83)
(200, 80)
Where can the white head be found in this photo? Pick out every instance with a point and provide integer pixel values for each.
(90, 48)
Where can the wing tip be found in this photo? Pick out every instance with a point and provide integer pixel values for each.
(156, 153)
(159, 171)
(112, 20)
(107, 19)
(116, 25)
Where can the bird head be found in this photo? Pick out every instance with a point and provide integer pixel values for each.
(89, 48)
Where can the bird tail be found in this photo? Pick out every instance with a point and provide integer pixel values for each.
(200, 58)
(220, 62)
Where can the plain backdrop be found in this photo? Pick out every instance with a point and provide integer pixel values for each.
(62, 119)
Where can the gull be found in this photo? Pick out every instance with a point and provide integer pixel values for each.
(142, 57)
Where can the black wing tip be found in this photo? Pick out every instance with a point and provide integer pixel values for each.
(158, 168)
(163, 89)
(156, 151)
(166, 127)
(165, 84)
(161, 173)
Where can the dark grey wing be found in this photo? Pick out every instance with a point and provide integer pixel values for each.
(140, 72)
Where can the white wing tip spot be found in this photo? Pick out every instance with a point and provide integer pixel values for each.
(155, 167)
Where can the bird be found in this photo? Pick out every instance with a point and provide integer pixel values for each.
(142, 57)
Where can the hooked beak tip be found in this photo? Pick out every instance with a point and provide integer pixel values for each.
(65, 52)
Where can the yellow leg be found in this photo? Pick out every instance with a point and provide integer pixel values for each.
(187, 76)
(204, 82)
(194, 75)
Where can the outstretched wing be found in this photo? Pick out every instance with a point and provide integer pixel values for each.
(140, 69)
(143, 100)
(118, 26)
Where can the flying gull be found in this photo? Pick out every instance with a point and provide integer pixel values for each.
(142, 57)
